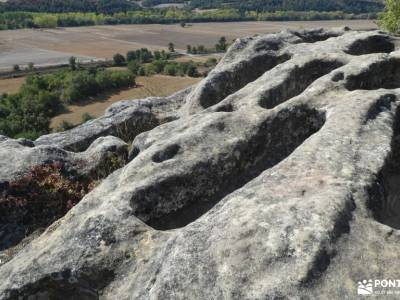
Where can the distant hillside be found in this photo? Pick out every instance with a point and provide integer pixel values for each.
(356, 6)
(111, 6)
(101, 6)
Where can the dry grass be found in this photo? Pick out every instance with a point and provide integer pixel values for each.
(11, 85)
(157, 85)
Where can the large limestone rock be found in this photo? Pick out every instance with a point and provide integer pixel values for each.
(276, 177)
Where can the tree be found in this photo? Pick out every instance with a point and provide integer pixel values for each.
(16, 68)
(157, 55)
(189, 49)
(171, 47)
(164, 55)
(221, 45)
(192, 71)
(133, 66)
(201, 49)
(142, 71)
(119, 60)
(45, 21)
(131, 55)
(72, 62)
(390, 18)
(31, 66)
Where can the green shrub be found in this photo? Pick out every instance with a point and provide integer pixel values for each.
(78, 85)
(133, 67)
(142, 71)
(170, 69)
(122, 79)
(45, 21)
(104, 80)
(192, 71)
(86, 117)
(390, 18)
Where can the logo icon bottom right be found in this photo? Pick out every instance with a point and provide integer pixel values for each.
(365, 287)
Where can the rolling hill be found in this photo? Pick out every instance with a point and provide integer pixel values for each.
(110, 6)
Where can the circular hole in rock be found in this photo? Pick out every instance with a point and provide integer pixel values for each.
(338, 76)
(168, 153)
(224, 108)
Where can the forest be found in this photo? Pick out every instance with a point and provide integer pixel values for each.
(350, 6)
(114, 6)
(17, 20)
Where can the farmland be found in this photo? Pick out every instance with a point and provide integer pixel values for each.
(52, 46)
(56, 46)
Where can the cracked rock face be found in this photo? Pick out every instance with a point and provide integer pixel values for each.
(276, 177)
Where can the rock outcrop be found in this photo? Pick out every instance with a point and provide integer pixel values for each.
(276, 177)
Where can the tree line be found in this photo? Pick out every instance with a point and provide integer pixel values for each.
(353, 6)
(16, 20)
(143, 62)
(220, 47)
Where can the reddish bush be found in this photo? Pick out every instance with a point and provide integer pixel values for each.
(41, 196)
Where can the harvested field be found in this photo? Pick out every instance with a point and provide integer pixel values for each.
(157, 85)
(53, 46)
(11, 85)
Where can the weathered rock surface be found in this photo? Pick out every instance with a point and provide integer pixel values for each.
(19, 156)
(277, 177)
(124, 119)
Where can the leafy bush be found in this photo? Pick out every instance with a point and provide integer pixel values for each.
(45, 21)
(390, 18)
(86, 117)
(212, 61)
(78, 85)
(170, 69)
(121, 79)
(133, 67)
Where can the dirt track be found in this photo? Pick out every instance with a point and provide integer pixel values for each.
(54, 46)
